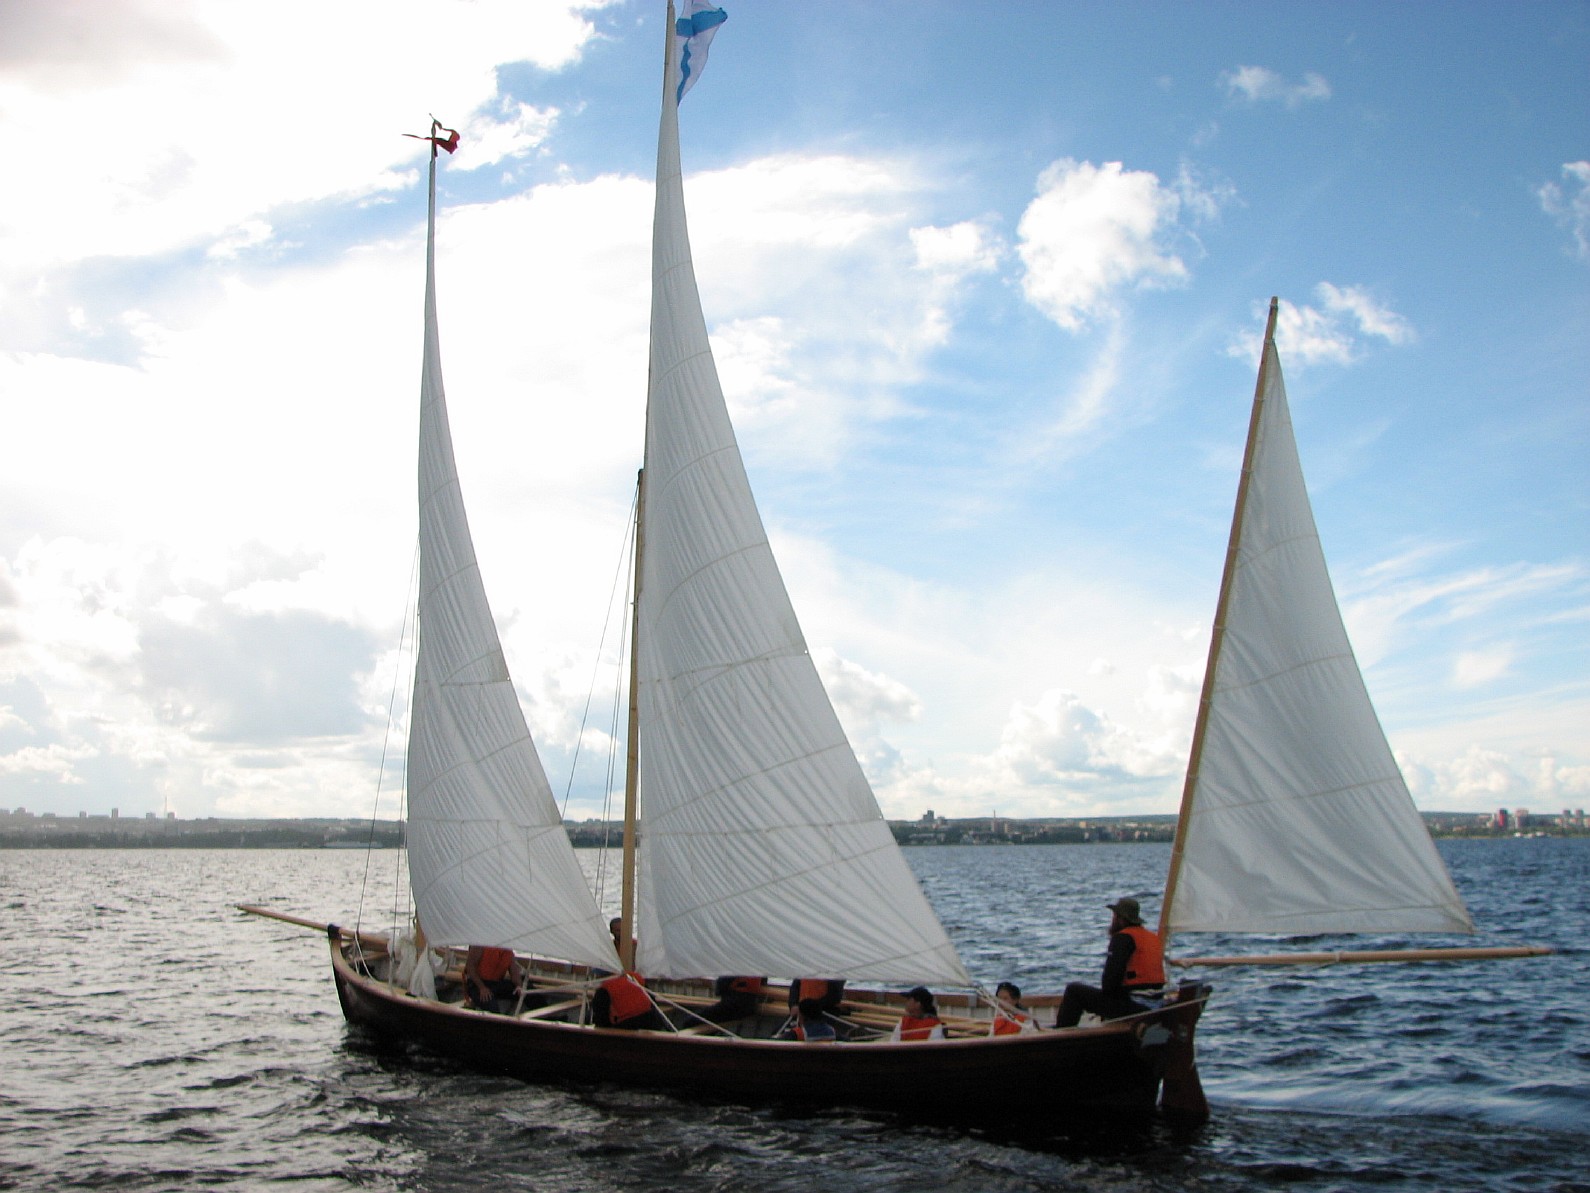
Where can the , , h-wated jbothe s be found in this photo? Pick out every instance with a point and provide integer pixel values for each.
(753, 842)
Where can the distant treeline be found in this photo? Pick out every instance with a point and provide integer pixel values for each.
(269, 838)
(1058, 834)
(291, 835)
